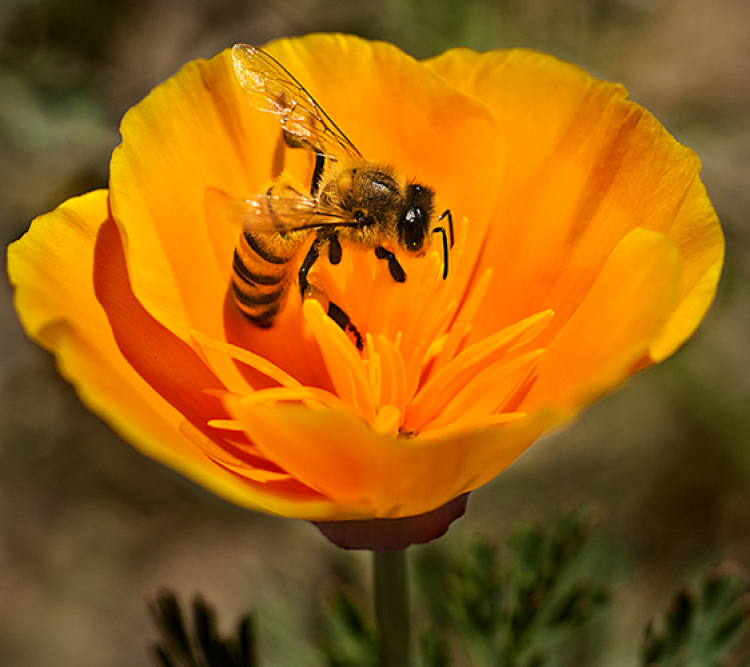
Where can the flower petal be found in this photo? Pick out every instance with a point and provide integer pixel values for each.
(371, 475)
(613, 328)
(68, 318)
(184, 139)
(585, 167)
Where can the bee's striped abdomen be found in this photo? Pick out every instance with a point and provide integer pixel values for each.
(262, 273)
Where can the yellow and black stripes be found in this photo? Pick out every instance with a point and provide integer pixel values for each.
(262, 272)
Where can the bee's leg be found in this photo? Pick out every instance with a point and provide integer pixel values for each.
(336, 313)
(397, 271)
(320, 159)
(312, 256)
(343, 320)
(320, 163)
(334, 255)
(334, 249)
(441, 230)
(310, 291)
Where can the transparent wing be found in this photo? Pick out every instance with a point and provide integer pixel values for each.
(284, 209)
(268, 86)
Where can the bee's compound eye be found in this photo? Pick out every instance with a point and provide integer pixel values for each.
(415, 221)
(414, 237)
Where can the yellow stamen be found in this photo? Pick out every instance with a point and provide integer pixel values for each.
(312, 397)
(342, 360)
(393, 374)
(469, 425)
(226, 424)
(414, 374)
(246, 357)
(462, 325)
(387, 421)
(444, 385)
(486, 392)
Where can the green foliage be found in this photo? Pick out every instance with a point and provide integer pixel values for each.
(527, 603)
(199, 645)
(514, 607)
(348, 640)
(510, 607)
(700, 624)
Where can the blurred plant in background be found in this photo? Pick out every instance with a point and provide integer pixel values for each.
(90, 528)
(530, 602)
(702, 623)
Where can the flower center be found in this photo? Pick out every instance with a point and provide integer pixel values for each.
(418, 371)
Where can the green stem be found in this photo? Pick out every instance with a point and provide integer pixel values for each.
(392, 607)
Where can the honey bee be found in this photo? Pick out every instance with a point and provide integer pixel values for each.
(353, 200)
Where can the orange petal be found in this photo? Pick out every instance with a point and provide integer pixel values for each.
(185, 138)
(149, 409)
(585, 167)
(371, 475)
(614, 326)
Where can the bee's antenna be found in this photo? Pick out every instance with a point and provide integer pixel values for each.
(445, 248)
(450, 222)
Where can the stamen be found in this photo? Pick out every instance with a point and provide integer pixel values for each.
(425, 313)
(443, 386)
(415, 374)
(225, 424)
(244, 356)
(312, 397)
(374, 371)
(387, 421)
(457, 427)
(432, 314)
(342, 360)
(462, 326)
(486, 393)
(434, 309)
(520, 392)
(393, 374)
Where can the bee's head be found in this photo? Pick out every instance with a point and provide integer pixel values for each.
(414, 223)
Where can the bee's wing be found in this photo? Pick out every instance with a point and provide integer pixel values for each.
(268, 86)
(284, 209)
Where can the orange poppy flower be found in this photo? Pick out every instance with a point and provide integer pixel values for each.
(586, 249)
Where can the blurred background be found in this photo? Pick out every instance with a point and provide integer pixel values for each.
(90, 530)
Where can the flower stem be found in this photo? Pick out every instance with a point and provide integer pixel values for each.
(392, 607)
